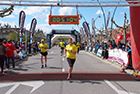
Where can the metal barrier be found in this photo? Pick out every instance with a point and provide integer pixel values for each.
(99, 52)
(114, 55)
(93, 50)
(118, 55)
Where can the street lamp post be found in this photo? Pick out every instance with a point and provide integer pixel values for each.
(104, 18)
(93, 28)
(113, 18)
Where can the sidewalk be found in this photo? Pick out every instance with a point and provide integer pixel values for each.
(115, 64)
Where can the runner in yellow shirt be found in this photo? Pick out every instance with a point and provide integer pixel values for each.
(62, 45)
(43, 46)
(71, 50)
(78, 47)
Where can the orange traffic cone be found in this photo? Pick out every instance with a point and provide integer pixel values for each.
(123, 68)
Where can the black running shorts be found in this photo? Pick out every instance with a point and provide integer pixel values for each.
(62, 48)
(44, 54)
(71, 62)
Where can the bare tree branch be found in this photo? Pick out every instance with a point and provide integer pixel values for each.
(116, 24)
(6, 12)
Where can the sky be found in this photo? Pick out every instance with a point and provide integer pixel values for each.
(42, 13)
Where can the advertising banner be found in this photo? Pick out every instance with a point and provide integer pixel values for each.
(118, 55)
(32, 28)
(83, 35)
(21, 24)
(87, 30)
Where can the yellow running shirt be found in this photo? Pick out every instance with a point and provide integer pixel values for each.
(78, 45)
(62, 44)
(41, 46)
(70, 54)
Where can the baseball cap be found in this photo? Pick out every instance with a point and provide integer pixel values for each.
(42, 40)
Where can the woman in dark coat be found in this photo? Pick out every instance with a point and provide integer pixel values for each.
(2, 55)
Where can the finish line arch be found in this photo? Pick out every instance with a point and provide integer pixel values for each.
(55, 38)
(58, 31)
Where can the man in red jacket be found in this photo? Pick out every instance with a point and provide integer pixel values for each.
(10, 53)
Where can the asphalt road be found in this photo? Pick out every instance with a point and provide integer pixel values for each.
(84, 63)
(91, 75)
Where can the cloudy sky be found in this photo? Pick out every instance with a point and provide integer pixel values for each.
(42, 13)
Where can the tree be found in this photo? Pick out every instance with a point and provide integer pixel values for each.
(38, 35)
(6, 11)
(7, 26)
(101, 33)
(12, 36)
(124, 27)
(64, 39)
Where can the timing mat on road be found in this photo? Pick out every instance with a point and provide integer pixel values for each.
(63, 76)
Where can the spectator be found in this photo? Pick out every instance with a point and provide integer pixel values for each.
(119, 45)
(128, 49)
(97, 45)
(114, 44)
(16, 45)
(10, 53)
(105, 50)
(13, 42)
(110, 44)
(4, 43)
(78, 47)
(34, 47)
(2, 55)
(129, 43)
(123, 46)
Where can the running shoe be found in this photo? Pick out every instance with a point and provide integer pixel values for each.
(45, 65)
(68, 78)
(42, 66)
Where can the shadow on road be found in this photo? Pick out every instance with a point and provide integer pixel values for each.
(55, 67)
(84, 81)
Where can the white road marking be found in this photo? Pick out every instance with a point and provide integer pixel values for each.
(63, 70)
(62, 59)
(12, 89)
(118, 91)
(34, 84)
(51, 52)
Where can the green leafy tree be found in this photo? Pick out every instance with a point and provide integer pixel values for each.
(38, 35)
(12, 36)
(64, 39)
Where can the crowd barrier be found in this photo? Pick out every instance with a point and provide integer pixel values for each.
(89, 49)
(99, 52)
(114, 54)
(93, 51)
(118, 55)
(86, 48)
